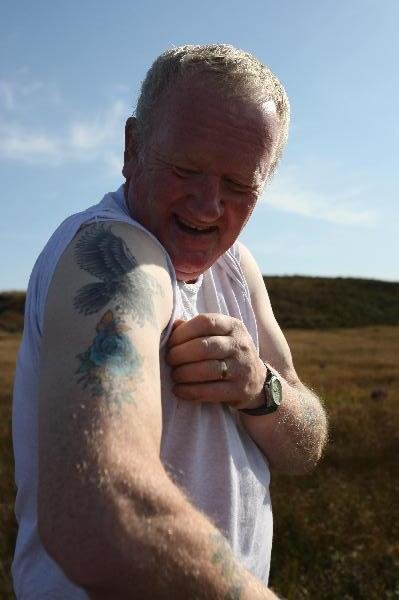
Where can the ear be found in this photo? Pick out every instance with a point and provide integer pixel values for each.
(131, 143)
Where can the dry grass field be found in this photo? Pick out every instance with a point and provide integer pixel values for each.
(8, 351)
(336, 530)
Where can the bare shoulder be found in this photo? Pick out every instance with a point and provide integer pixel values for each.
(273, 346)
(109, 300)
(117, 263)
(252, 273)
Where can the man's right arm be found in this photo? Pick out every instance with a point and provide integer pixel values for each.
(109, 515)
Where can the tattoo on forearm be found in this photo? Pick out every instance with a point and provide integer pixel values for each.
(107, 366)
(106, 256)
(224, 558)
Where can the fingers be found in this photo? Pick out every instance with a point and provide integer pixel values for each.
(202, 371)
(200, 349)
(177, 323)
(206, 324)
(213, 360)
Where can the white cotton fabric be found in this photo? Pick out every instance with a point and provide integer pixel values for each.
(204, 448)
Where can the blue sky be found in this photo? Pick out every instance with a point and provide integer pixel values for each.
(69, 76)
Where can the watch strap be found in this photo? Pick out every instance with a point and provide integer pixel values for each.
(269, 405)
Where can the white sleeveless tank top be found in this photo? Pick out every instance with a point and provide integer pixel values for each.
(204, 448)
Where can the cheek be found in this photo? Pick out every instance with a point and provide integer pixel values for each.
(166, 196)
(241, 212)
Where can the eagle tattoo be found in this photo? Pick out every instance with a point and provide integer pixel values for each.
(107, 257)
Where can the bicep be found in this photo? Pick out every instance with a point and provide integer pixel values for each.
(99, 391)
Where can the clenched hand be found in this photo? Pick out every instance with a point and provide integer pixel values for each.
(214, 359)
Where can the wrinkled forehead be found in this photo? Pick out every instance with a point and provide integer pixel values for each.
(200, 108)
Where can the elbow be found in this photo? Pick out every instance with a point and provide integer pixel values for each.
(304, 452)
(297, 462)
(75, 532)
(305, 461)
(312, 441)
(311, 452)
(63, 540)
(48, 524)
(92, 531)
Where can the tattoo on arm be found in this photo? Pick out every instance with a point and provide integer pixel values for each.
(107, 257)
(228, 566)
(109, 363)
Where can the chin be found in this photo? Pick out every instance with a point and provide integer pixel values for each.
(188, 277)
(187, 271)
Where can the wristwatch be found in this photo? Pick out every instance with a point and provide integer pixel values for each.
(273, 395)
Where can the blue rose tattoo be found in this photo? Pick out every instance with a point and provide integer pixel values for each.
(114, 351)
(110, 355)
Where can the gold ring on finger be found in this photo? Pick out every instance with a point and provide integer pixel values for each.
(223, 369)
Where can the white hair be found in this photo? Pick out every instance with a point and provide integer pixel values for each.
(237, 73)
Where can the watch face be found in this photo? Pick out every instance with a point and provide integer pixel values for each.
(276, 390)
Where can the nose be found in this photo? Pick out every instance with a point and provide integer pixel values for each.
(207, 200)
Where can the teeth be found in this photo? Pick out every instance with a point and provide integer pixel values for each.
(193, 226)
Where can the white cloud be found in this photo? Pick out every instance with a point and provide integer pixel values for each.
(114, 163)
(27, 146)
(104, 128)
(287, 194)
(99, 138)
(14, 94)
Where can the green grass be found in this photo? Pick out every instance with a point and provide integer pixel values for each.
(336, 529)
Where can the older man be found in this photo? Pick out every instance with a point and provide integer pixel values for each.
(154, 387)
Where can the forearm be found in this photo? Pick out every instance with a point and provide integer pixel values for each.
(146, 540)
(293, 437)
(185, 556)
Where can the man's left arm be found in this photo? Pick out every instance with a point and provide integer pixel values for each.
(293, 437)
(214, 360)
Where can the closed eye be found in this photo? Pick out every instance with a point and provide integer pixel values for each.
(235, 186)
(183, 171)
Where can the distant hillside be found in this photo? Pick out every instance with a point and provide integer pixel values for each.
(12, 306)
(324, 303)
(298, 302)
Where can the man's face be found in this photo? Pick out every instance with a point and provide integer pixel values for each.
(202, 172)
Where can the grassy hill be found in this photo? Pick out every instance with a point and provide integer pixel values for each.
(298, 302)
(12, 306)
(325, 303)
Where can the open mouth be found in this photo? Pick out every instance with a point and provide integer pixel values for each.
(193, 229)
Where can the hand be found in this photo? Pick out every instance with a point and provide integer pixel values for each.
(214, 359)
